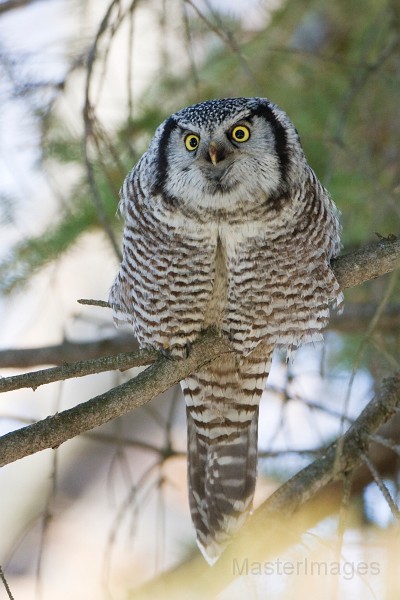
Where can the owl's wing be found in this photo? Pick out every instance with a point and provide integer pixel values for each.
(330, 216)
(281, 286)
(119, 293)
(166, 277)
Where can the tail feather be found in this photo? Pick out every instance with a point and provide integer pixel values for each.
(222, 418)
(222, 478)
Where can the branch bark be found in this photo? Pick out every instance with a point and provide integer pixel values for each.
(163, 374)
(122, 361)
(352, 269)
(367, 263)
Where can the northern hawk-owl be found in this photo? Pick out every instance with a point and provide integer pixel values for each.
(225, 225)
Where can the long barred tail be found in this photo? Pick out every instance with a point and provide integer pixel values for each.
(222, 477)
(222, 419)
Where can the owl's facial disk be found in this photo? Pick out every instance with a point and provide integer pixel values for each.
(220, 167)
(213, 153)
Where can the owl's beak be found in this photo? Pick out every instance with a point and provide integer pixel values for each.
(215, 152)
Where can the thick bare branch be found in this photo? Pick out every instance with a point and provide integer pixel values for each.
(53, 431)
(280, 521)
(351, 270)
(368, 262)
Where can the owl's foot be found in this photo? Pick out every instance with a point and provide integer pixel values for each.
(165, 353)
(176, 352)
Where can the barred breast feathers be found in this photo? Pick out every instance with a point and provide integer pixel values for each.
(265, 288)
(160, 251)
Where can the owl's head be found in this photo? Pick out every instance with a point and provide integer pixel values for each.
(222, 153)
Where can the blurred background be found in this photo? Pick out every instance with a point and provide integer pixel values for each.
(83, 85)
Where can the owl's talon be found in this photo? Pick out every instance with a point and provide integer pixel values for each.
(176, 352)
(167, 354)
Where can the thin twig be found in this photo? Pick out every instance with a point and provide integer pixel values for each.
(359, 79)
(90, 302)
(129, 62)
(130, 505)
(360, 351)
(382, 487)
(46, 519)
(110, 25)
(88, 118)
(123, 361)
(379, 439)
(5, 583)
(189, 46)
(228, 39)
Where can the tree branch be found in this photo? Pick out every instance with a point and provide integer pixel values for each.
(355, 319)
(352, 269)
(368, 262)
(164, 373)
(122, 361)
(280, 521)
(66, 352)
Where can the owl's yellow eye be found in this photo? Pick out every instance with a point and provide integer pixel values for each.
(192, 142)
(240, 133)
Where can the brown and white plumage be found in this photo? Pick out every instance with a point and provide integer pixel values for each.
(225, 225)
